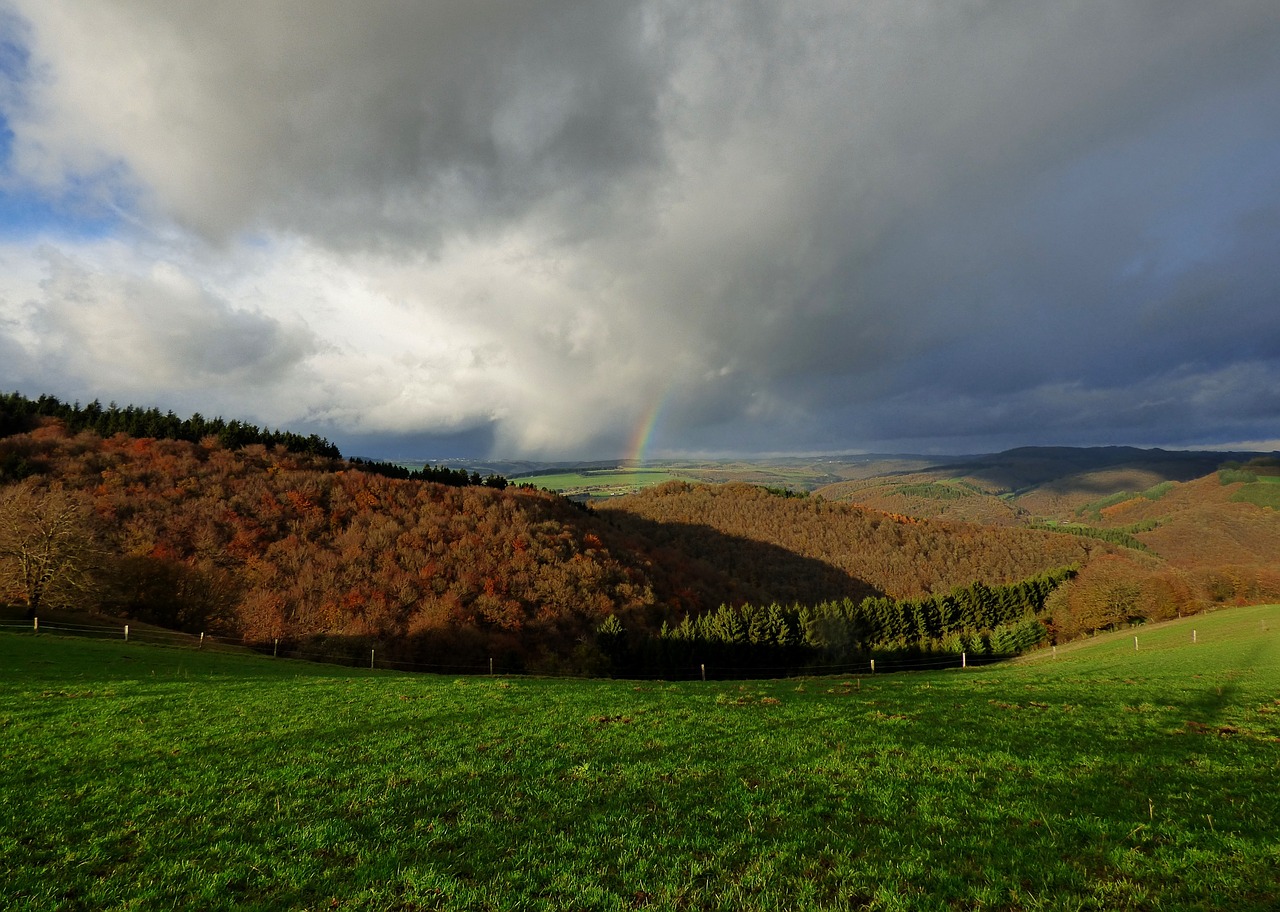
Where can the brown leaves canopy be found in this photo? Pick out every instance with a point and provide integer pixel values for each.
(896, 555)
(48, 547)
(296, 546)
(268, 543)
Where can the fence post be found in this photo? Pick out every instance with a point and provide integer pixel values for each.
(126, 633)
(35, 624)
(490, 664)
(370, 658)
(1193, 636)
(1135, 644)
(964, 660)
(275, 649)
(704, 671)
(201, 646)
(873, 666)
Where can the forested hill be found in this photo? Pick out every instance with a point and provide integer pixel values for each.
(19, 413)
(263, 542)
(900, 556)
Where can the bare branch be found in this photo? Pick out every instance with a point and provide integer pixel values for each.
(48, 549)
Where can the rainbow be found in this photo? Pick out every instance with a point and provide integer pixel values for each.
(643, 434)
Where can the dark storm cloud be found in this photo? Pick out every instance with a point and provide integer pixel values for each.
(823, 225)
(371, 123)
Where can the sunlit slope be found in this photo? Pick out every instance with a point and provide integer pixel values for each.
(1029, 484)
(929, 495)
(898, 555)
(1202, 524)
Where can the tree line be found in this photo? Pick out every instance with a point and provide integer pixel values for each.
(454, 478)
(1248, 472)
(977, 619)
(1123, 536)
(19, 414)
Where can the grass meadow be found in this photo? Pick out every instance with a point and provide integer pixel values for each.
(1263, 492)
(602, 483)
(1105, 777)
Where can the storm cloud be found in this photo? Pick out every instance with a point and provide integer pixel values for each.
(538, 229)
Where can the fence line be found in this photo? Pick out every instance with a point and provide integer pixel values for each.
(159, 636)
(131, 633)
(889, 663)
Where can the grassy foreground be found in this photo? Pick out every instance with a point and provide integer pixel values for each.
(1103, 778)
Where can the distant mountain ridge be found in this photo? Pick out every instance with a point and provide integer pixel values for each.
(1016, 470)
(1024, 467)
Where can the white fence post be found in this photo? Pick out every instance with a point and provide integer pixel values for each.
(126, 633)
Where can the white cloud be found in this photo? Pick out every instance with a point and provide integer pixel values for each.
(795, 226)
(105, 320)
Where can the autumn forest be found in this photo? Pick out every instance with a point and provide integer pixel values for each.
(268, 537)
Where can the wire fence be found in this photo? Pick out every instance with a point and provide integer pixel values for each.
(155, 636)
(345, 656)
(127, 632)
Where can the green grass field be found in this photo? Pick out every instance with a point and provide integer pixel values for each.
(1263, 492)
(141, 777)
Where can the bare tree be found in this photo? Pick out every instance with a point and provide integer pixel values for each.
(48, 549)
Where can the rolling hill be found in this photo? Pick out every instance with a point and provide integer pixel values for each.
(263, 543)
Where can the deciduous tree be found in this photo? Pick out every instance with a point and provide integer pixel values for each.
(48, 549)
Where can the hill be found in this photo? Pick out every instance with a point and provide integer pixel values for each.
(897, 555)
(1193, 528)
(1030, 484)
(266, 543)
(1023, 469)
(269, 543)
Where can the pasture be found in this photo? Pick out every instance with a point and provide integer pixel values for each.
(1263, 492)
(601, 483)
(1103, 777)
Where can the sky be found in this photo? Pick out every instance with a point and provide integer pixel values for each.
(597, 229)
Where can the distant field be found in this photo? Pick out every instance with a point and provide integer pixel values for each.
(792, 474)
(1105, 777)
(602, 483)
(1263, 492)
